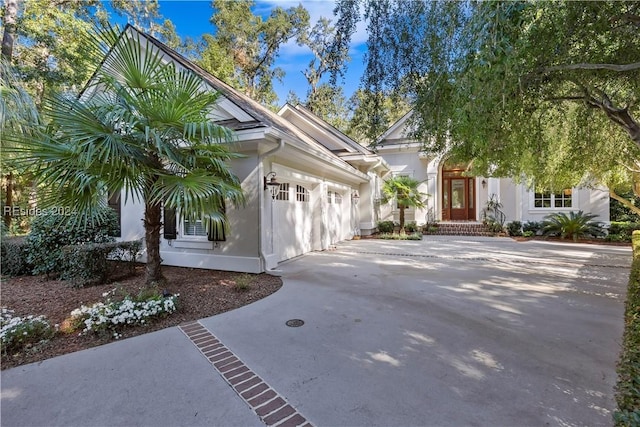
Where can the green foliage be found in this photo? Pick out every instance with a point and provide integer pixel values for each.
(385, 226)
(514, 228)
(96, 263)
(405, 192)
(620, 212)
(245, 45)
(628, 386)
(19, 334)
(14, 253)
(400, 236)
(50, 232)
(528, 233)
(532, 226)
(243, 282)
(575, 225)
(411, 227)
(488, 87)
(621, 231)
(142, 127)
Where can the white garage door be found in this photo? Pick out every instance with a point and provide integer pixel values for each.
(293, 220)
(335, 216)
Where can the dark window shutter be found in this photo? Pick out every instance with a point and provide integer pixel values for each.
(114, 203)
(216, 228)
(170, 231)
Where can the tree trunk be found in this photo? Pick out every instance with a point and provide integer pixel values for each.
(152, 225)
(401, 219)
(9, 24)
(8, 202)
(8, 37)
(635, 209)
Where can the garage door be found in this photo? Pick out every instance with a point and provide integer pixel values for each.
(293, 220)
(335, 216)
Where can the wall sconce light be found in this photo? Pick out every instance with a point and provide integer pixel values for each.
(484, 183)
(271, 184)
(355, 197)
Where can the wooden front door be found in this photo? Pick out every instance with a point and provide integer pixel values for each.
(458, 197)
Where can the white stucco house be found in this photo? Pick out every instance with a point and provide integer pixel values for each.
(325, 192)
(455, 196)
(327, 187)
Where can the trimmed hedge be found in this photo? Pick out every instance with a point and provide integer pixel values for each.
(386, 226)
(628, 387)
(93, 263)
(13, 255)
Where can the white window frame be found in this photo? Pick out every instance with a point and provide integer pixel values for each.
(532, 201)
(183, 236)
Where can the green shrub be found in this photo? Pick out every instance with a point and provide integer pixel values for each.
(628, 386)
(400, 236)
(92, 263)
(621, 231)
(13, 256)
(385, 226)
(514, 228)
(528, 233)
(532, 226)
(19, 333)
(575, 225)
(51, 231)
(411, 227)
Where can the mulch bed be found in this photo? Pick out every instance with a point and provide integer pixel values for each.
(557, 239)
(203, 293)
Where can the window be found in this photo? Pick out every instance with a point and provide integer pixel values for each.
(302, 194)
(193, 228)
(330, 197)
(564, 199)
(338, 198)
(283, 194)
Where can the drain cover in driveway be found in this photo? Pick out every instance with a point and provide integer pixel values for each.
(294, 323)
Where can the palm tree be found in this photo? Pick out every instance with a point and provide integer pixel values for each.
(141, 126)
(574, 225)
(405, 191)
(18, 119)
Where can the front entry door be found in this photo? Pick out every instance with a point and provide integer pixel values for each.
(458, 199)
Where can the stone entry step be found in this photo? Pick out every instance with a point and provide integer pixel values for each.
(460, 229)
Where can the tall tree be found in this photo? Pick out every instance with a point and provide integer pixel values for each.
(546, 90)
(404, 191)
(253, 44)
(371, 117)
(141, 126)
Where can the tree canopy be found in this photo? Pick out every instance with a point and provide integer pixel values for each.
(244, 48)
(543, 90)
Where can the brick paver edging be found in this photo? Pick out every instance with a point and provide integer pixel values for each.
(272, 408)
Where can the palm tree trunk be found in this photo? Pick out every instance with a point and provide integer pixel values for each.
(152, 225)
(401, 219)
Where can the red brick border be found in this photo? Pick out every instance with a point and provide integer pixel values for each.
(267, 404)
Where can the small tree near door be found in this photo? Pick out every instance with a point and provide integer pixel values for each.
(405, 191)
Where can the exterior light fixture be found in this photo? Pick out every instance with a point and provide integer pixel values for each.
(355, 197)
(484, 183)
(271, 184)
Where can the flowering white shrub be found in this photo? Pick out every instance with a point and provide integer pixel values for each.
(102, 317)
(19, 332)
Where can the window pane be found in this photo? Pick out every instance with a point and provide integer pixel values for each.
(283, 194)
(194, 228)
(457, 194)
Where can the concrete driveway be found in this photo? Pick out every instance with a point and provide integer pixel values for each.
(446, 331)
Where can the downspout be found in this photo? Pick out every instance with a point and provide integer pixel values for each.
(261, 157)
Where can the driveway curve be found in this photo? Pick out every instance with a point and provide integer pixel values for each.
(446, 331)
(443, 331)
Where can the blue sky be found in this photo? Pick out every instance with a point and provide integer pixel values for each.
(191, 18)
